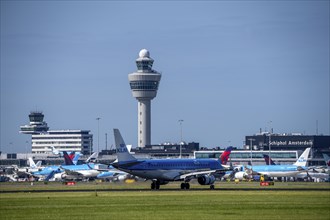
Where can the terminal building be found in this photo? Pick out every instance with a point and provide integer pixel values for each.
(282, 148)
(245, 157)
(62, 140)
(320, 144)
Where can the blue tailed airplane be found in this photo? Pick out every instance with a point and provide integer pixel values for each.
(312, 173)
(162, 171)
(280, 170)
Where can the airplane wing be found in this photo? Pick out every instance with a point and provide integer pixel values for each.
(73, 173)
(250, 171)
(22, 174)
(198, 173)
(227, 167)
(51, 175)
(114, 171)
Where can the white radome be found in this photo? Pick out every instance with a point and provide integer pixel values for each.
(144, 53)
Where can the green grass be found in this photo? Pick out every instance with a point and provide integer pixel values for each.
(170, 205)
(26, 186)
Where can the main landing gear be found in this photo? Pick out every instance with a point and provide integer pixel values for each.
(155, 184)
(185, 186)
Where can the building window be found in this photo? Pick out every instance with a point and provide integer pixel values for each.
(144, 85)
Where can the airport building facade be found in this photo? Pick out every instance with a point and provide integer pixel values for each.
(294, 141)
(44, 139)
(245, 157)
(63, 140)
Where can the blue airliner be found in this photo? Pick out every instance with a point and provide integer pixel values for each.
(72, 171)
(162, 171)
(278, 170)
(314, 172)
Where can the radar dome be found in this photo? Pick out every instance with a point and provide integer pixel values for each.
(144, 53)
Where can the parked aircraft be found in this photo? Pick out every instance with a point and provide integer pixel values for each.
(315, 173)
(60, 152)
(25, 172)
(88, 170)
(299, 166)
(162, 171)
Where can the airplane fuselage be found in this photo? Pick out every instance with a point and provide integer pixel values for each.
(168, 169)
(278, 170)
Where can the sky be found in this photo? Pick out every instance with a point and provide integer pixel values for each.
(229, 68)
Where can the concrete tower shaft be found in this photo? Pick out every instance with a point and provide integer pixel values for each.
(144, 85)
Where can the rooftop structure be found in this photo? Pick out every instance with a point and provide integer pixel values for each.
(37, 124)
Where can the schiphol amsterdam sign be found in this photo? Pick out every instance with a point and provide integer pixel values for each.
(292, 143)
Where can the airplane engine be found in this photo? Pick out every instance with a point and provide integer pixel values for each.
(206, 180)
(63, 176)
(121, 178)
(240, 175)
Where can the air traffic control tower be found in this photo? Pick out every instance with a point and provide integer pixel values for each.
(144, 85)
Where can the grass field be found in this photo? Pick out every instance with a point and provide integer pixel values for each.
(167, 204)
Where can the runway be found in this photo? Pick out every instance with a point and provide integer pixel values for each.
(149, 190)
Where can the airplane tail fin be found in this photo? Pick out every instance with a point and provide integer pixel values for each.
(32, 164)
(302, 160)
(38, 164)
(225, 155)
(122, 152)
(327, 160)
(76, 158)
(54, 151)
(72, 155)
(67, 159)
(268, 159)
(92, 157)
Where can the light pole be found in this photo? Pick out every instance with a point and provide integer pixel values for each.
(26, 152)
(106, 141)
(98, 134)
(251, 139)
(269, 144)
(180, 121)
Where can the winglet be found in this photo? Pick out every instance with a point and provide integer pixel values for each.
(302, 160)
(122, 152)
